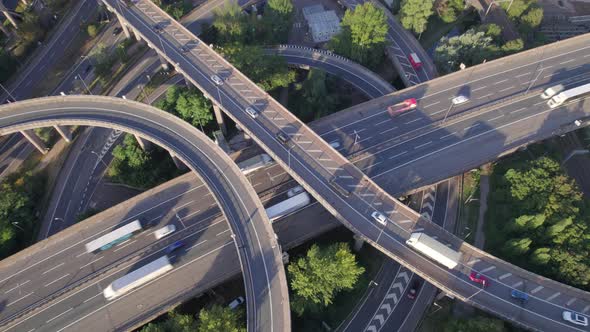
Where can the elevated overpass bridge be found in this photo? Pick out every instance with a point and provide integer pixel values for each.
(313, 163)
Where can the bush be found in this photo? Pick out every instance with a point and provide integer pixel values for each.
(92, 30)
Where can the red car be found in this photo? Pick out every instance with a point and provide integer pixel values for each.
(479, 278)
(405, 105)
(415, 61)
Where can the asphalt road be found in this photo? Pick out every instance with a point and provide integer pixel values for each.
(266, 291)
(313, 163)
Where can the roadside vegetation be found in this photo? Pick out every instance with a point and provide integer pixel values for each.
(214, 319)
(141, 169)
(188, 104)
(19, 204)
(538, 219)
(440, 317)
(174, 8)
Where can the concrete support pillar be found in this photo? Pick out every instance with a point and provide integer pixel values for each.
(144, 144)
(123, 26)
(7, 14)
(64, 132)
(358, 243)
(35, 140)
(220, 119)
(163, 61)
(137, 36)
(179, 164)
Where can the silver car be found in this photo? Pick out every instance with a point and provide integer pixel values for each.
(217, 80)
(252, 112)
(459, 100)
(380, 218)
(575, 318)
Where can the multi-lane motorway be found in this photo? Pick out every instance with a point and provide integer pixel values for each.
(251, 231)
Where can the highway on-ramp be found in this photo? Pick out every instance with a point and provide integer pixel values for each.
(260, 258)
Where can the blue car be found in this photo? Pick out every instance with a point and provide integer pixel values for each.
(171, 248)
(519, 295)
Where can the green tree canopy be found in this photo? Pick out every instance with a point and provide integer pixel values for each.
(363, 35)
(277, 19)
(414, 14)
(448, 10)
(232, 25)
(219, 318)
(478, 323)
(470, 48)
(188, 104)
(321, 274)
(174, 323)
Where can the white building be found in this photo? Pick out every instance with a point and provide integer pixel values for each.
(323, 24)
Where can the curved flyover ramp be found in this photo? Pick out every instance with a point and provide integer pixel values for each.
(260, 258)
(359, 76)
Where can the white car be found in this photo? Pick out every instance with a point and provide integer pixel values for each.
(252, 112)
(166, 230)
(552, 91)
(295, 191)
(380, 218)
(575, 318)
(217, 80)
(459, 100)
(335, 144)
(235, 303)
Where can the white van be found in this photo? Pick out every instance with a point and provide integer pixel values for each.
(552, 91)
(166, 230)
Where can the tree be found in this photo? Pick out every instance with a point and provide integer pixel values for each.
(363, 35)
(448, 10)
(470, 48)
(193, 107)
(316, 101)
(174, 323)
(414, 14)
(491, 30)
(121, 52)
(278, 15)
(103, 62)
(533, 17)
(7, 65)
(268, 71)
(92, 30)
(219, 318)
(231, 24)
(517, 7)
(321, 274)
(477, 323)
(517, 247)
(512, 46)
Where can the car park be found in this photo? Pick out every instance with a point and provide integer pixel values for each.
(295, 191)
(164, 231)
(217, 80)
(459, 100)
(174, 246)
(479, 278)
(574, 318)
(252, 112)
(235, 303)
(415, 61)
(516, 294)
(379, 217)
(413, 291)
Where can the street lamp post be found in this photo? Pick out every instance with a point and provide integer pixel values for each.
(78, 77)
(15, 223)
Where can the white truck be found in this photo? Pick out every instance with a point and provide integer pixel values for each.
(137, 278)
(287, 206)
(434, 249)
(250, 165)
(563, 96)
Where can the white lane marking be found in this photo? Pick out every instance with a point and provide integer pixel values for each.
(500, 82)
(488, 95)
(477, 89)
(397, 155)
(496, 118)
(199, 243)
(422, 145)
(53, 268)
(390, 129)
(90, 298)
(17, 286)
(20, 298)
(506, 89)
(487, 269)
(448, 135)
(521, 75)
(82, 254)
(91, 262)
(127, 244)
(473, 261)
(439, 111)
(519, 110)
(191, 214)
(227, 230)
(382, 122)
(571, 301)
(553, 296)
(63, 313)
(567, 61)
(56, 280)
(504, 276)
(517, 284)
(183, 205)
(472, 126)
(438, 102)
(538, 288)
(418, 119)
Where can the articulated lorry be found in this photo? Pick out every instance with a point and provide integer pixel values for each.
(434, 249)
(563, 96)
(137, 278)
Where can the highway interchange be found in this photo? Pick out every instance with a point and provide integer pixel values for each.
(314, 172)
(451, 169)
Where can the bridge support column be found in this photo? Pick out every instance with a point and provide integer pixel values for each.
(163, 61)
(137, 36)
(35, 140)
(179, 164)
(64, 132)
(144, 144)
(123, 26)
(220, 119)
(8, 15)
(358, 243)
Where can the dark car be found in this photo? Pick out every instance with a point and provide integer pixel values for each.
(117, 31)
(413, 291)
(174, 246)
(88, 68)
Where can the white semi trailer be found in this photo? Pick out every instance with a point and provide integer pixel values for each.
(563, 96)
(137, 277)
(287, 206)
(434, 249)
